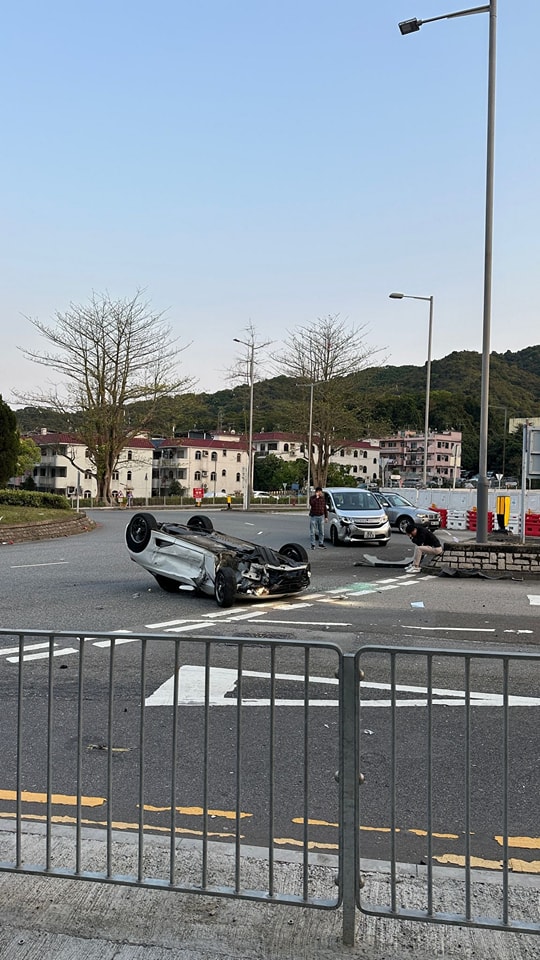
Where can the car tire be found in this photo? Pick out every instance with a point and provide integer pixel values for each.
(200, 523)
(294, 551)
(170, 586)
(225, 587)
(336, 542)
(402, 523)
(139, 531)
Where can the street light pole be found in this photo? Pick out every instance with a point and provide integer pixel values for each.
(412, 26)
(405, 296)
(252, 347)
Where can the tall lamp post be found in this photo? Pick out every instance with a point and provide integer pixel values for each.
(412, 26)
(405, 296)
(252, 347)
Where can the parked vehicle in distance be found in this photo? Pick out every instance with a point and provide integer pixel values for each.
(355, 516)
(264, 495)
(197, 557)
(401, 511)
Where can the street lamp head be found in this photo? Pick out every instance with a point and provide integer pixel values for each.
(396, 296)
(409, 26)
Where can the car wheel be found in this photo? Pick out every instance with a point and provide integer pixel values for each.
(402, 524)
(170, 586)
(200, 523)
(225, 587)
(294, 551)
(334, 536)
(139, 531)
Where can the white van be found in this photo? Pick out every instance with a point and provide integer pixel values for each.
(355, 516)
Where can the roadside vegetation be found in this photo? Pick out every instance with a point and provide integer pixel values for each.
(27, 506)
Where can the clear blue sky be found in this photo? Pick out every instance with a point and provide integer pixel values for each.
(268, 162)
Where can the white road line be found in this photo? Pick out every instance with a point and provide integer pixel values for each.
(29, 646)
(312, 623)
(42, 656)
(190, 626)
(117, 641)
(51, 563)
(166, 623)
(534, 599)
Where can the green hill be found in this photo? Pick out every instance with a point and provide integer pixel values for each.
(379, 400)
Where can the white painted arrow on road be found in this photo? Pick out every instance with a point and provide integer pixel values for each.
(191, 692)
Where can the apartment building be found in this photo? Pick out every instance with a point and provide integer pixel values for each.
(403, 454)
(217, 465)
(65, 465)
(359, 457)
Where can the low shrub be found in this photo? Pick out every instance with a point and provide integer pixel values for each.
(31, 498)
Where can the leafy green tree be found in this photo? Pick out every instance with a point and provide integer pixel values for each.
(339, 476)
(176, 489)
(29, 454)
(110, 354)
(9, 443)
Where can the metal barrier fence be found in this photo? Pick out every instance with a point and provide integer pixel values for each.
(273, 743)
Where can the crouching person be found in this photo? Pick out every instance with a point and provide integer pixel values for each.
(425, 544)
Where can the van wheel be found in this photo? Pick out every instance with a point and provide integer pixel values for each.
(334, 537)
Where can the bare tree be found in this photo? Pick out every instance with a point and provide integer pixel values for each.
(322, 356)
(110, 354)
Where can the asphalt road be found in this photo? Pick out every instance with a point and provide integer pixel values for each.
(88, 584)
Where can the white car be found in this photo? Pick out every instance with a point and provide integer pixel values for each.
(196, 556)
(355, 516)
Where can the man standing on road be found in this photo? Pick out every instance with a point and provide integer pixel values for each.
(426, 543)
(318, 515)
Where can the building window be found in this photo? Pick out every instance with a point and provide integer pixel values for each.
(213, 455)
(238, 478)
(130, 455)
(355, 454)
(198, 454)
(238, 457)
(285, 447)
(223, 473)
(213, 475)
(87, 474)
(115, 475)
(129, 475)
(272, 446)
(197, 475)
(224, 453)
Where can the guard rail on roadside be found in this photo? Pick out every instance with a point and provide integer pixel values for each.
(306, 758)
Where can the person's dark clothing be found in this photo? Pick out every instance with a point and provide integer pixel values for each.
(424, 537)
(317, 507)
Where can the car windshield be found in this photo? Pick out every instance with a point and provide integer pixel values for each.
(356, 500)
(397, 500)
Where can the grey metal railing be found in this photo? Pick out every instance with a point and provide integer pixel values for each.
(167, 742)
(473, 765)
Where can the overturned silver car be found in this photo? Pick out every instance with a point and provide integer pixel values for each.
(196, 556)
